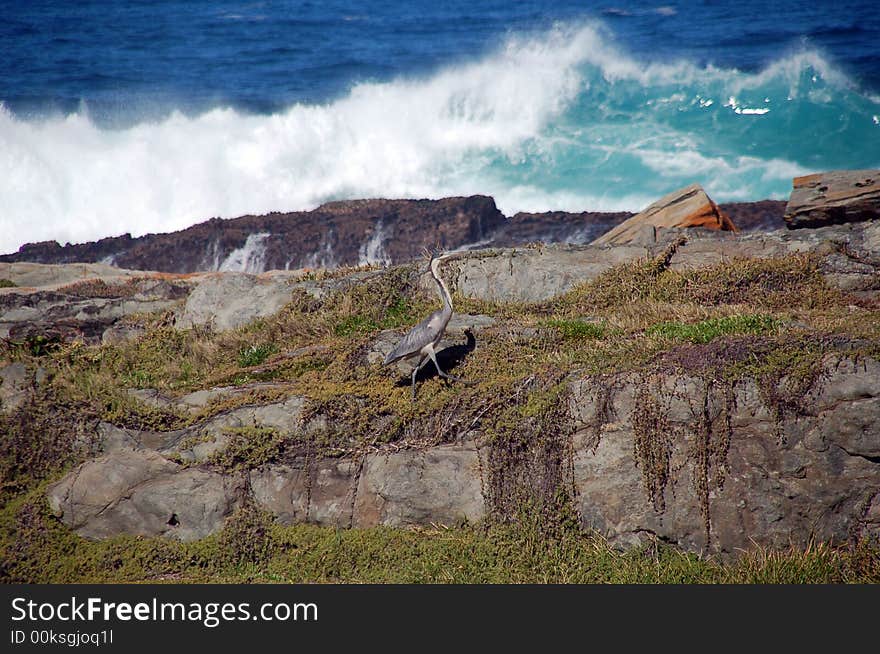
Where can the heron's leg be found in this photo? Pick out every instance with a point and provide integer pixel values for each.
(445, 375)
(415, 372)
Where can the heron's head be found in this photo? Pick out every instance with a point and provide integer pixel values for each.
(433, 256)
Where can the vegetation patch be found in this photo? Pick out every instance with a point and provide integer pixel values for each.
(653, 439)
(40, 439)
(578, 329)
(37, 548)
(529, 476)
(98, 288)
(247, 538)
(249, 447)
(7, 283)
(783, 282)
(254, 355)
(707, 330)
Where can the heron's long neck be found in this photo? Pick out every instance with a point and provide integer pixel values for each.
(441, 287)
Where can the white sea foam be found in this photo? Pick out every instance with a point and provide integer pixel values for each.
(249, 258)
(373, 250)
(65, 178)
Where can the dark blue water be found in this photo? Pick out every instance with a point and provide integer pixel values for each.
(150, 116)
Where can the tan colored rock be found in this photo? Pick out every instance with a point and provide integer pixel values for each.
(687, 207)
(834, 197)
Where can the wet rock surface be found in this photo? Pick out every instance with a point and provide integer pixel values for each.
(345, 234)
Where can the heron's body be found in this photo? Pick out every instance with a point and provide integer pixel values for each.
(424, 337)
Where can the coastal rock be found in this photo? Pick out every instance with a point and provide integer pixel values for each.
(770, 482)
(39, 275)
(142, 493)
(84, 309)
(341, 233)
(439, 485)
(230, 300)
(322, 492)
(814, 482)
(839, 196)
(687, 207)
(348, 233)
(95, 309)
(529, 274)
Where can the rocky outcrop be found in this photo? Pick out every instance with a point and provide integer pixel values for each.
(737, 475)
(84, 309)
(229, 300)
(714, 469)
(840, 196)
(536, 274)
(531, 274)
(345, 233)
(687, 207)
(93, 308)
(665, 453)
(140, 492)
(335, 234)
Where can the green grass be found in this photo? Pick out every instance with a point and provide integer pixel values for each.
(249, 447)
(578, 329)
(253, 548)
(708, 330)
(254, 355)
(7, 283)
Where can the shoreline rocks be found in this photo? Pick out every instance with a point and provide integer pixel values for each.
(685, 208)
(834, 197)
(820, 480)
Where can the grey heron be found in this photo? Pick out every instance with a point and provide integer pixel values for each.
(424, 337)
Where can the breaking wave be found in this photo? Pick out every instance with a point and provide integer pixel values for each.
(565, 119)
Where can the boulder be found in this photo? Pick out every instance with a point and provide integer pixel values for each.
(838, 196)
(229, 300)
(140, 492)
(528, 274)
(418, 487)
(687, 207)
(86, 309)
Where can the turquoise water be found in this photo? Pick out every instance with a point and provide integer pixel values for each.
(142, 117)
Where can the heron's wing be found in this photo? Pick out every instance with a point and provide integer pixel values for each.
(417, 338)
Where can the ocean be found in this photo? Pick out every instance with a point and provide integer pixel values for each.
(152, 115)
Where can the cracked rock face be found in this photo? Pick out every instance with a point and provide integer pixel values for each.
(142, 493)
(838, 196)
(816, 476)
(821, 482)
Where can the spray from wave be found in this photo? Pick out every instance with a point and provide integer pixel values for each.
(560, 120)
